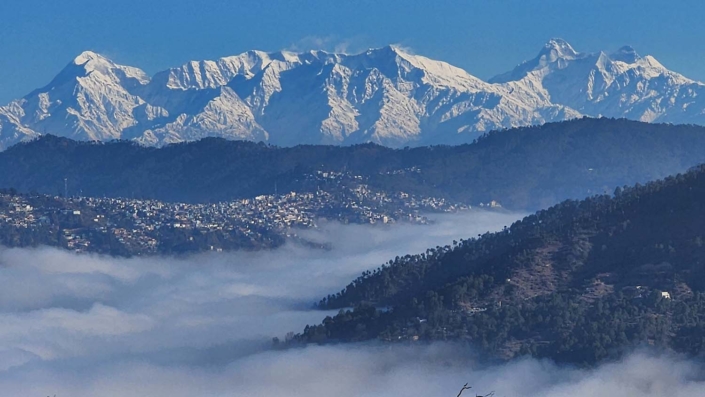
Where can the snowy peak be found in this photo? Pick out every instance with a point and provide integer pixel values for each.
(394, 61)
(555, 54)
(621, 84)
(212, 74)
(90, 62)
(90, 99)
(626, 54)
(90, 68)
(558, 54)
(556, 49)
(387, 95)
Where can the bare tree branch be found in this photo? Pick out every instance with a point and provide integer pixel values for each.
(465, 387)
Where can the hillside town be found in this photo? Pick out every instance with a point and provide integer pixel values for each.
(128, 227)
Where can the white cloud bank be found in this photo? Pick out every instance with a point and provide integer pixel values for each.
(79, 326)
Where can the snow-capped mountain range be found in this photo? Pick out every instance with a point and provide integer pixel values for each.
(385, 95)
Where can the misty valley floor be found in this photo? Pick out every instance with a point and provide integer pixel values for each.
(88, 325)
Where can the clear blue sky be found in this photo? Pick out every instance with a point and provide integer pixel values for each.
(485, 37)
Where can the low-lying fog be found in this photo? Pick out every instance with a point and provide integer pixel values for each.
(82, 325)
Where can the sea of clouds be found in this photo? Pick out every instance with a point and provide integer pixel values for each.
(86, 325)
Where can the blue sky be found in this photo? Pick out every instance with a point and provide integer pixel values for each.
(485, 37)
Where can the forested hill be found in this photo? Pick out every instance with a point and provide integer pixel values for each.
(524, 168)
(579, 282)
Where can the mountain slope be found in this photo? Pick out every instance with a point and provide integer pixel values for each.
(621, 84)
(385, 95)
(89, 100)
(523, 168)
(579, 282)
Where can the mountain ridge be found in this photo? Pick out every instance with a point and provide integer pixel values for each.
(580, 282)
(524, 168)
(385, 95)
